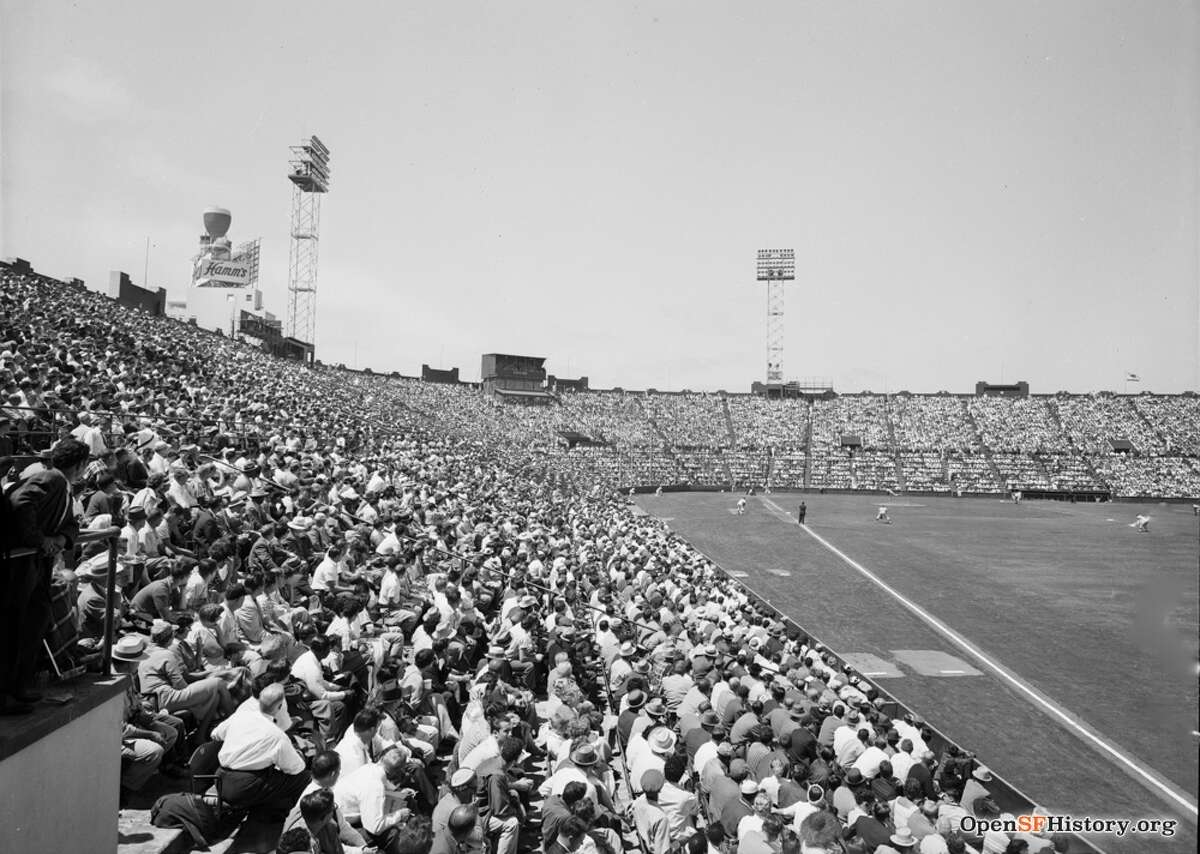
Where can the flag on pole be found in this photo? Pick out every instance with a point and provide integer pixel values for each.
(1132, 378)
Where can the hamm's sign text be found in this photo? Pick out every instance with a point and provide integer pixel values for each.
(215, 273)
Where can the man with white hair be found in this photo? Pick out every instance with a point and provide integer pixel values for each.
(260, 769)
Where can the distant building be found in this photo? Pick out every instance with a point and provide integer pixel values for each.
(986, 389)
(434, 375)
(515, 379)
(561, 384)
(132, 296)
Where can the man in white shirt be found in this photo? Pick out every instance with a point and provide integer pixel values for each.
(328, 701)
(869, 760)
(195, 591)
(179, 491)
(88, 433)
(260, 769)
(902, 760)
(362, 743)
(307, 666)
(159, 464)
(326, 577)
(911, 730)
(363, 796)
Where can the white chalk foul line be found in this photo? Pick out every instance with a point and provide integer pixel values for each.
(1056, 711)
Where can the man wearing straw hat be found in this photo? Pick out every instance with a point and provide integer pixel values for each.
(147, 738)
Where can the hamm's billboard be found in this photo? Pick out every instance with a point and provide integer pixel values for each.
(215, 273)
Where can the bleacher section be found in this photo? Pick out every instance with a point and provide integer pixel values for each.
(1140, 446)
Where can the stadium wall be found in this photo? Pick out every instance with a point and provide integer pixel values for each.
(67, 758)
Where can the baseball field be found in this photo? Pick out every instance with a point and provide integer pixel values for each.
(1053, 639)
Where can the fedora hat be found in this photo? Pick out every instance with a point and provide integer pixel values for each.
(656, 708)
(390, 693)
(662, 740)
(636, 698)
(443, 632)
(300, 523)
(95, 571)
(130, 648)
(136, 513)
(903, 837)
(854, 777)
(584, 755)
(983, 774)
(627, 650)
(709, 719)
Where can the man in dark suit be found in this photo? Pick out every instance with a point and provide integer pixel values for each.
(130, 470)
(43, 521)
(205, 530)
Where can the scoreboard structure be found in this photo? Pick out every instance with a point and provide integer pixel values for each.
(515, 379)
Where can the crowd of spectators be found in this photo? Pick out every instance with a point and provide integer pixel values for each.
(391, 616)
(864, 416)
(1094, 421)
(932, 423)
(1017, 425)
(1176, 419)
(925, 471)
(758, 423)
(787, 469)
(614, 417)
(703, 466)
(1070, 473)
(1020, 472)
(971, 473)
(1150, 477)
(748, 468)
(688, 420)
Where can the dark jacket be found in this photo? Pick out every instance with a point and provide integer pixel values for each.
(41, 508)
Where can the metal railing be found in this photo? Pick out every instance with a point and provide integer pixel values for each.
(50, 418)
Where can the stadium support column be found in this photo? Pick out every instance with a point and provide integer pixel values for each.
(309, 174)
(775, 267)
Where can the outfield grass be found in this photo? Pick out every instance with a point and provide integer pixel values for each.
(1099, 618)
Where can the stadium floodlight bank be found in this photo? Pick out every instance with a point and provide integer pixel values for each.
(775, 266)
(310, 177)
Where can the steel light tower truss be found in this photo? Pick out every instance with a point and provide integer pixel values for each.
(775, 267)
(309, 174)
(250, 252)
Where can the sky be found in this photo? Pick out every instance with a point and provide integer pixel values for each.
(997, 191)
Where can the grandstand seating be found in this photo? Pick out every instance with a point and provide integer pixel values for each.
(787, 469)
(487, 500)
(928, 443)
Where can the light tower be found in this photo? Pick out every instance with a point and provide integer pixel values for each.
(309, 174)
(775, 266)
